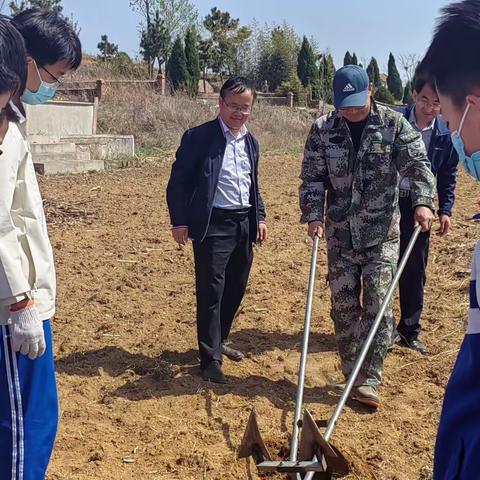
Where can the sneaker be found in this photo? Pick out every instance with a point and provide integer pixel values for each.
(395, 340)
(339, 387)
(366, 395)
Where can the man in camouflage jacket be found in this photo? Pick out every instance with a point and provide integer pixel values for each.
(353, 159)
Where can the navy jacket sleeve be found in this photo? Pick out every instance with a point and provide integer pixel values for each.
(180, 185)
(446, 181)
(262, 216)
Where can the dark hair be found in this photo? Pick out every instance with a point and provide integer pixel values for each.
(238, 85)
(13, 62)
(49, 37)
(453, 58)
(8, 80)
(420, 79)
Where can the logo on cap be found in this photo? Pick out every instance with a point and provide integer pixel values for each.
(348, 88)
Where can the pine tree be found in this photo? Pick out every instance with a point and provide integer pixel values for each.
(347, 60)
(192, 57)
(326, 74)
(107, 49)
(407, 94)
(294, 85)
(394, 82)
(18, 6)
(177, 67)
(306, 67)
(354, 59)
(374, 72)
(382, 94)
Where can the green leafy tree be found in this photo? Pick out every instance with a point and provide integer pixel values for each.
(354, 59)
(227, 42)
(177, 67)
(107, 49)
(382, 94)
(407, 94)
(394, 82)
(347, 60)
(155, 42)
(306, 68)
(175, 16)
(278, 56)
(18, 6)
(178, 15)
(295, 86)
(374, 72)
(145, 8)
(207, 55)
(124, 66)
(241, 57)
(192, 56)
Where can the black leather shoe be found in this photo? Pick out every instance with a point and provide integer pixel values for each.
(232, 354)
(213, 372)
(414, 344)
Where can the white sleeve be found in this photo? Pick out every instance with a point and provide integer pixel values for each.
(12, 278)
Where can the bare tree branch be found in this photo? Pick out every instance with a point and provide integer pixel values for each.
(409, 63)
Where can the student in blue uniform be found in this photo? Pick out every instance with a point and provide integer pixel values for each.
(453, 60)
(28, 394)
(36, 49)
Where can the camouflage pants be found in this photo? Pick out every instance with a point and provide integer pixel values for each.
(370, 273)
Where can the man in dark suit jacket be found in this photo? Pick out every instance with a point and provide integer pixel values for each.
(424, 115)
(213, 198)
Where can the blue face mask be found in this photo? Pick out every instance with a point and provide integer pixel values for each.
(46, 91)
(470, 163)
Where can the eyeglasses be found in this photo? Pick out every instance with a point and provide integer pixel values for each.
(236, 108)
(435, 106)
(57, 79)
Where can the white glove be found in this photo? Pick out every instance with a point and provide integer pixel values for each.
(27, 332)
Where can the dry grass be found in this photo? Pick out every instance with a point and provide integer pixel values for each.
(132, 403)
(158, 121)
(92, 69)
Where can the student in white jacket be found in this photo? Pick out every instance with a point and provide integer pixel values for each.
(28, 391)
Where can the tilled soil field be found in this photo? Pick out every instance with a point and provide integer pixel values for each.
(132, 403)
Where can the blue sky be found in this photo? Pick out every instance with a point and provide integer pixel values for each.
(368, 27)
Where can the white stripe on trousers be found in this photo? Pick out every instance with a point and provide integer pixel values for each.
(12, 403)
(20, 414)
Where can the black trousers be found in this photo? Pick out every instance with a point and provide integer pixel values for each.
(222, 266)
(412, 281)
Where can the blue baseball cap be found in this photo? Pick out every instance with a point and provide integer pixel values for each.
(350, 87)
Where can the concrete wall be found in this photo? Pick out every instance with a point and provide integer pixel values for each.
(62, 138)
(104, 147)
(61, 119)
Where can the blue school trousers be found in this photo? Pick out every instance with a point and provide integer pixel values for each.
(28, 410)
